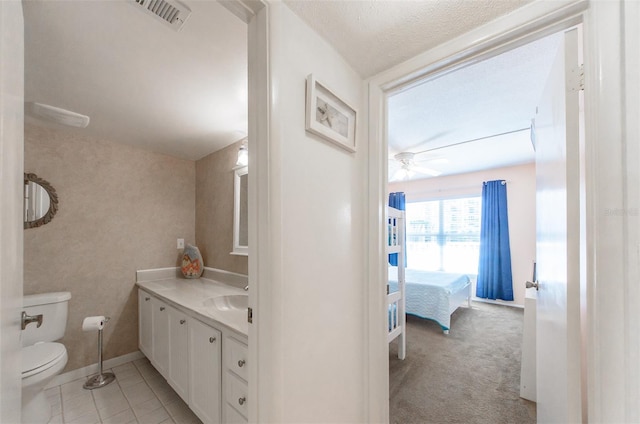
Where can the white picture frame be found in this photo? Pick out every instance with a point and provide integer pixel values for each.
(330, 117)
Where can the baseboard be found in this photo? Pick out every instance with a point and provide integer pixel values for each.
(93, 369)
(497, 302)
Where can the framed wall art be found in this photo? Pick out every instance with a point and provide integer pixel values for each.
(330, 117)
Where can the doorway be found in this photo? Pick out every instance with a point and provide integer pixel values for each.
(435, 63)
(477, 124)
(12, 35)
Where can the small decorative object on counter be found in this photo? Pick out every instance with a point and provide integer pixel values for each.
(192, 264)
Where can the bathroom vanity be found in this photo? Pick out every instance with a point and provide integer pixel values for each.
(194, 332)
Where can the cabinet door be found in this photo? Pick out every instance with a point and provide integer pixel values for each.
(178, 353)
(144, 323)
(205, 371)
(160, 336)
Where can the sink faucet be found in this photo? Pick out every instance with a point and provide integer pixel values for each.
(246, 288)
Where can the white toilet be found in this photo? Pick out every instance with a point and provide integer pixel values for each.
(42, 359)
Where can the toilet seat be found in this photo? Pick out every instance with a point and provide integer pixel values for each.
(41, 356)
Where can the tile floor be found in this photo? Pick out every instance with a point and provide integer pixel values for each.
(139, 395)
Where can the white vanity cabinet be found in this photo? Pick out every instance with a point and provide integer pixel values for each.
(234, 380)
(205, 366)
(144, 323)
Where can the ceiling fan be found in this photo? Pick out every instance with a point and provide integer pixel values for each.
(408, 167)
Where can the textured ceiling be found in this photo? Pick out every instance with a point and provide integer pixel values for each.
(141, 83)
(495, 96)
(491, 102)
(459, 118)
(185, 93)
(376, 35)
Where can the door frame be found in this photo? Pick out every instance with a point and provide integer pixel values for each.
(610, 245)
(255, 13)
(11, 208)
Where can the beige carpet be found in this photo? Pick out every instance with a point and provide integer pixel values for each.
(471, 375)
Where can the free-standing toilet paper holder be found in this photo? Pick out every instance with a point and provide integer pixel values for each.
(102, 378)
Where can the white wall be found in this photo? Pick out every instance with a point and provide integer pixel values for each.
(11, 186)
(521, 201)
(312, 330)
(612, 89)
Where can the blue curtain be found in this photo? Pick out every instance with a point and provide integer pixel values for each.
(396, 200)
(494, 270)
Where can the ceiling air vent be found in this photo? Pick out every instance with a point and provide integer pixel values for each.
(171, 12)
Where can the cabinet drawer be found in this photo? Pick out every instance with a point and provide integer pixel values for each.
(232, 416)
(235, 357)
(236, 393)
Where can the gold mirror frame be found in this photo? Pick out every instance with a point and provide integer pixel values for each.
(53, 200)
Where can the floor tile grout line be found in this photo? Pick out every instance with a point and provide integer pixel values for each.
(59, 393)
(154, 392)
(133, 411)
(146, 378)
(95, 406)
(61, 405)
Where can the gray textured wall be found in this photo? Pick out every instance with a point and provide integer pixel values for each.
(121, 209)
(214, 210)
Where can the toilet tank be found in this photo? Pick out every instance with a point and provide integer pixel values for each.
(54, 308)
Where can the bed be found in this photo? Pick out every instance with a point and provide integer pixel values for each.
(432, 295)
(395, 300)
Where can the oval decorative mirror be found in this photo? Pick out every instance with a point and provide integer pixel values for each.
(40, 201)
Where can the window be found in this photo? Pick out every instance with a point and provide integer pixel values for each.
(444, 235)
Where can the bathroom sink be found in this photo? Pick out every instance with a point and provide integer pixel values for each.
(229, 302)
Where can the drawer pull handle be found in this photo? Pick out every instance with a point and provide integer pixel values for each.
(241, 363)
(212, 339)
(146, 299)
(162, 308)
(242, 400)
(182, 321)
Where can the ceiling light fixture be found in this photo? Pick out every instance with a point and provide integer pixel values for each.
(57, 115)
(243, 154)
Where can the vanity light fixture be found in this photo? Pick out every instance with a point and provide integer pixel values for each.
(243, 154)
(57, 115)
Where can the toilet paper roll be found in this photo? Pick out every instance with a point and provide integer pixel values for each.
(93, 323)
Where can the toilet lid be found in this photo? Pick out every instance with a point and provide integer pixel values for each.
(39, 355)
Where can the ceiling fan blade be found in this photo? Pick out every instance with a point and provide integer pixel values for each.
(423, 145)
(427, 158)
(399, 175)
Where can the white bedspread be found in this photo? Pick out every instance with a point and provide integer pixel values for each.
(427, 293)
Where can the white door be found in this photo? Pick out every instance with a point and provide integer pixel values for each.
(558, 175)
(11, 193)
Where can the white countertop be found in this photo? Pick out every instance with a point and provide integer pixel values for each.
(190, 294)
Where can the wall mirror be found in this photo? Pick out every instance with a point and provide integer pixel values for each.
(240, 212)
(40, 201)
